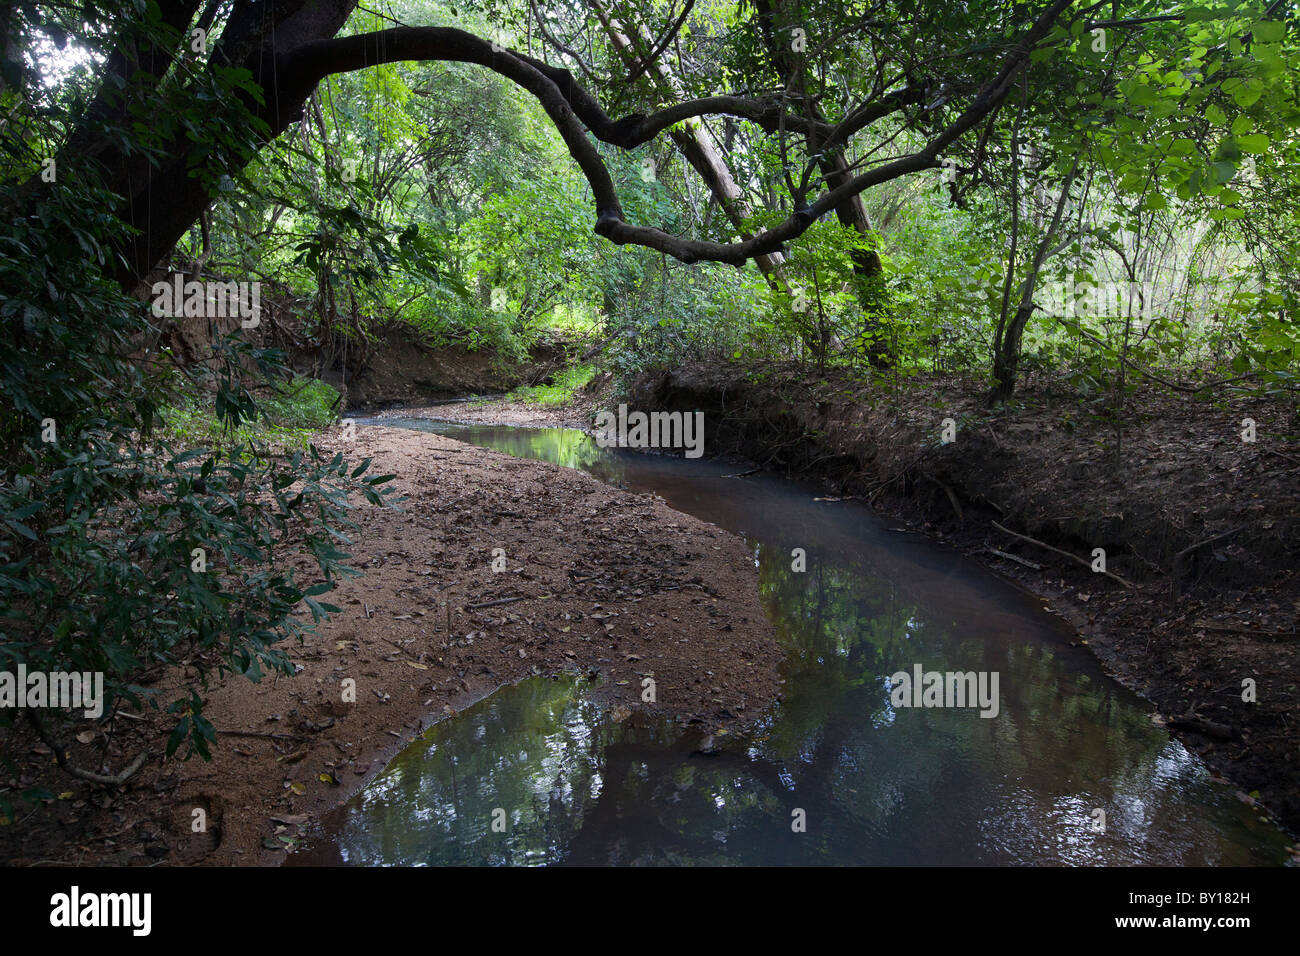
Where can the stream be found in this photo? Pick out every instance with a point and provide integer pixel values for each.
(871, 783)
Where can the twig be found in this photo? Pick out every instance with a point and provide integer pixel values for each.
(1179, 570)
(509, 600)
(1201, 544)
(1274, 451)
(1200, 725)
(1012, 557)
(400, 649)
(951, 496)
(743, 474)
(1064, 554)
(261, 733)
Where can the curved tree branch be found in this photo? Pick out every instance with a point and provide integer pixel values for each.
(289, 61)
(312, 62)
(574, 111)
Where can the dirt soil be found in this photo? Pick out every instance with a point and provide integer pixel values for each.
(1201, 529)
(595, 581)
(399, 369)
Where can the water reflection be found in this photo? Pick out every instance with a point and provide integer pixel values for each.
(877, 785)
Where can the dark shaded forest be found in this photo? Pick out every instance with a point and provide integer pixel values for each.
(1020, 276)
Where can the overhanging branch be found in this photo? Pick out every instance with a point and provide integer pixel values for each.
(575, 113)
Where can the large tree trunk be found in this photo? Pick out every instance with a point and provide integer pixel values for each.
(162, 201)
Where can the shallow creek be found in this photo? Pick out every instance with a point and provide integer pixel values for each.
(872, 783)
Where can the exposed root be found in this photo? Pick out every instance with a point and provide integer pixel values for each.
(108, 780)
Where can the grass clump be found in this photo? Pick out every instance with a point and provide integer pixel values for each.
(566, 384)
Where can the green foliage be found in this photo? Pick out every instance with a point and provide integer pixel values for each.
(565, 384)
(439, 197)
(122, 549)
(662, 314)
(287, 417)
(305, 403)
(467, 222)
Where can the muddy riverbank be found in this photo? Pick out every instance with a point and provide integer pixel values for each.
(588, 580)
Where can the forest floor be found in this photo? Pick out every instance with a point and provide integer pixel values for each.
(1200, 608)
(596, 581)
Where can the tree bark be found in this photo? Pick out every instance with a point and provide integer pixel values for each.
(1007, 361)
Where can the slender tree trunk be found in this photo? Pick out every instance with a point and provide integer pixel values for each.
(697, 144)
(834, 166)
(1006, 361)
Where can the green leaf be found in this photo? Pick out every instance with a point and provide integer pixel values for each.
(1244, 93)
(179, 733)
(1253, 143)
(1269, 31)
(1223, 171)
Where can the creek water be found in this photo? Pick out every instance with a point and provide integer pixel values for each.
(1070, 771)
